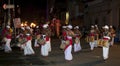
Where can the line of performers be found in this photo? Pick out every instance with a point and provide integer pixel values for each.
(42, 39)
(103, 38)
(70, 37)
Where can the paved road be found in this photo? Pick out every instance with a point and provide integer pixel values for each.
(56, 57)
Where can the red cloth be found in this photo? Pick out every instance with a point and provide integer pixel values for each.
(8, 36)
(92, 34)
(28, 38)
(47, 38)
(64, 33)
(69, 44)
(105, 39)
(77, 36)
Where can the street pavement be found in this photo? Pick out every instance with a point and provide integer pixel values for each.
(56, 57)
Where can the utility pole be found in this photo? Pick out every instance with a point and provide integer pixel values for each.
(9, 15)
(47, 11)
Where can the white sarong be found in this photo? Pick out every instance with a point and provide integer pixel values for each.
(7, 46)
(49, 45)
(28, 48)
(77, 47)
(105, 52)
(92, 44)
(68, 54)
(36, 44)
(44, 49)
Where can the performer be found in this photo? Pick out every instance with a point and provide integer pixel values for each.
(64, 34)
(92, 38)
(28, 45)
(97, 33)
(63, 37)
(112, 34)
(28, 30)
(21, 38)
(106, 38)
(45, 48)
(78, 35)
(8, 36)
(68, 48)
(37, 33)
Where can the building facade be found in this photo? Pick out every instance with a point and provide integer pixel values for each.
(102, 12)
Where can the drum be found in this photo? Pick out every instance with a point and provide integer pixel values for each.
(102, 43)
(77, 40)
(22, 40)
(99, 42)
(91, 39)
(87, 39)
(105, 43)
(38, 36)
(41, 41)
(67, 42)
(62, 46)
(4, 39)
(19, 39)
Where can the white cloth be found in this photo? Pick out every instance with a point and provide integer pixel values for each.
(112, 41)
(92, 44)
(49, 45)
(36, 44)
(96, 44)
(68, 54)
(77, 47)
(28, 48)
(105, 52)
(7, 47)
(44, 49)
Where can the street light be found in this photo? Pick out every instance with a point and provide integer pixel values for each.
(67, 18)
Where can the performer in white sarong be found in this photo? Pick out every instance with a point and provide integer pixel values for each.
(45, 48)
(68, 48)
(28, 46)
(112, 34)
(97, 34)
(8, 36)
(77, 46)
(92, 38)
(106, 37)
(37, 33)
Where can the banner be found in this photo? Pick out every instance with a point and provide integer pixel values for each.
(17, 22)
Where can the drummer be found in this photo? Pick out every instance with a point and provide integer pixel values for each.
(92, 37)
(106, 38)
(112, 33)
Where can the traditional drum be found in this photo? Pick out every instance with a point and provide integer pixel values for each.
(4, 39)
(38, 36)
(41, 41)
(77, 40)
(90, 38)
(102, 43)
(67, 42)
(62, 45)
(22, 40)
(105, 43)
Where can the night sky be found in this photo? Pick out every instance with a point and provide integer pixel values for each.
(30, 9)
(31, 3)
(33, 9)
